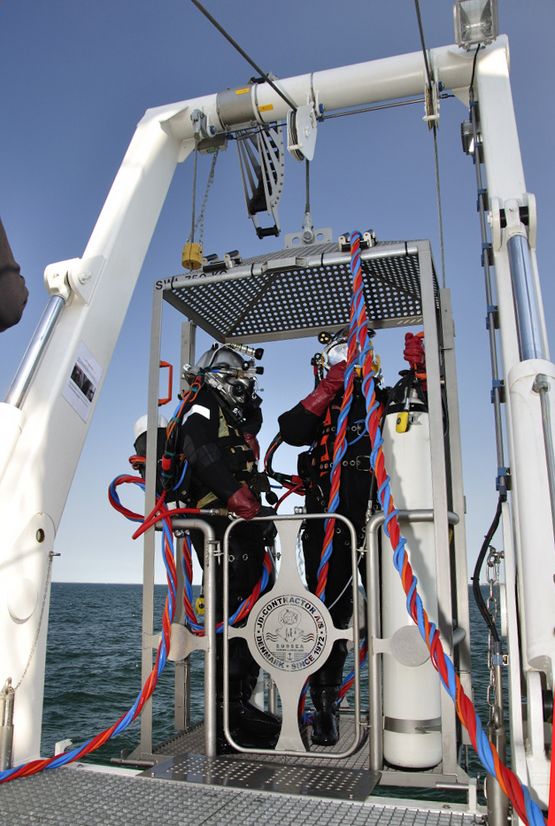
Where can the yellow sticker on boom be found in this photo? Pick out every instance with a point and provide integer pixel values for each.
(243, 91)
(267, 107)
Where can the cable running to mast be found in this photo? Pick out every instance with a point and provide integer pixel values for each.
(264, 75)
(436, 150)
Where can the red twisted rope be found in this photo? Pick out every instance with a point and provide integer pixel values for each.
(466, 712)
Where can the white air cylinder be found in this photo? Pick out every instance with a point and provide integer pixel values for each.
(411, 687)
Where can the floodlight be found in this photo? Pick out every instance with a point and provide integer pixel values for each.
(476, 22)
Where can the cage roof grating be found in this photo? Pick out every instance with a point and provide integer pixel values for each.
(299, 291)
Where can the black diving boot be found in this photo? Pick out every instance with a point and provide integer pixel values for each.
(259, 725)
(250, 727)
(257, 722)
(325, 721)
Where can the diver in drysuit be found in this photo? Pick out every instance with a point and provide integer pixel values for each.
(313, 421)
(217, 439)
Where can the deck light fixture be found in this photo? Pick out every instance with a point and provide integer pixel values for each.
(476, 22)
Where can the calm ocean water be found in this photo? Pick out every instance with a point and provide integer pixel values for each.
(93, 667)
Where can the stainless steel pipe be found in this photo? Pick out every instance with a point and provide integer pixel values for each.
(35, 351)
(526, 301)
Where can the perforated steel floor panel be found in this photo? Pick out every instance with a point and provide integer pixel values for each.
(300, 291)
(192, 742)
(80, 797)
(319, 781)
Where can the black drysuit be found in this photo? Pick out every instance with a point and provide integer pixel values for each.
(299, 426)
(221, 458)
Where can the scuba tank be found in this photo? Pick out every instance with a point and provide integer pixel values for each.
(411, 686)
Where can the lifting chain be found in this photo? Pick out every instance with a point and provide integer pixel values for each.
(199, 224)
(191, 257)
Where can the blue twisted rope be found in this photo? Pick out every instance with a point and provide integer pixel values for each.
(129, 716)
(431, 639)
(196, 625)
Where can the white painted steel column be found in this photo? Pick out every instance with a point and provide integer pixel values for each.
(523, 334)
(532, 511)
(535, 545)
(36, 480)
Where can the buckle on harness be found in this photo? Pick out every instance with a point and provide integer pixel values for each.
(363, 463)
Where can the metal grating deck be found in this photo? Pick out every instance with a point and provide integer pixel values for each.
(300, 291)
(78, 796)
(317, 781)
(346, 778)
(193, 741)
(179, 753)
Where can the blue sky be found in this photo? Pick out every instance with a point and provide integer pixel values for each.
(77, 77)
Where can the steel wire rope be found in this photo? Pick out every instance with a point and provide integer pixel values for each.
(264, 75)
(439, 207)
(34, 644)
(244, 134)
(526, 808)
(393, 104)
(421, 32)
(431, 84)
(197, 224)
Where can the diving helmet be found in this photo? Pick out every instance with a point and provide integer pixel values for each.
(336, 349)
(230, 370)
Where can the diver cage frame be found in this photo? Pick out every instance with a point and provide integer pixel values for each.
(293, 293)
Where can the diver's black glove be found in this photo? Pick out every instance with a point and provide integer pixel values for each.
(269, 530)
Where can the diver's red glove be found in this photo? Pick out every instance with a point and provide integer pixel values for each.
(243, 503)
(252, 442)
(319, 400)
(414, 352)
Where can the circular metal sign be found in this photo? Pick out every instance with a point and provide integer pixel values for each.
(290, 632)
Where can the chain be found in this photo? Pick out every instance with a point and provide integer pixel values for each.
(51, 556)
(493, 563)
(198, 224)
